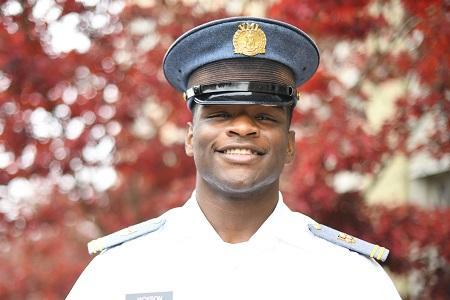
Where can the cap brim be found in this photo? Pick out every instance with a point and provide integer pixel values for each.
(245, 98)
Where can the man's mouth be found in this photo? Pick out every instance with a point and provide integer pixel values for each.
(235, 150)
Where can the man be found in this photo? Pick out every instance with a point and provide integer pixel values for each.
(235, 238)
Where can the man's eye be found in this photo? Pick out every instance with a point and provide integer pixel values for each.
(264, 117)
(218, 115)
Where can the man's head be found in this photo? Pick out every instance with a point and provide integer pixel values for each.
(240, 148)
(239, 78)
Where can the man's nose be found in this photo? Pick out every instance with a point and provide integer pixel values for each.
(243, 125)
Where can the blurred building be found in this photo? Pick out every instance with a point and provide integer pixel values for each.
(422, 179)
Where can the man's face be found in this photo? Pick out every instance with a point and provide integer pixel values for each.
(240, 148)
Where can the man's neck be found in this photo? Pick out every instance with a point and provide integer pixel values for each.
(236, 217)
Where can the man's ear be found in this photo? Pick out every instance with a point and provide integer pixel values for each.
(290, 147)
(188, 148)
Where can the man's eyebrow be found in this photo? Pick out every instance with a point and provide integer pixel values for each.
(279, 108)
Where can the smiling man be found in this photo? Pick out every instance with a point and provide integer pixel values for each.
(235, 238)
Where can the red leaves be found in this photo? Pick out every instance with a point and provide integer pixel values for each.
(410, 229)
(333, 132)
(347, 19)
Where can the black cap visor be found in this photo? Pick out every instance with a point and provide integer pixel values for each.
(235, 98)
(242, 93)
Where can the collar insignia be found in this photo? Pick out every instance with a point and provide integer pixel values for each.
(249, 40)
(346, 238)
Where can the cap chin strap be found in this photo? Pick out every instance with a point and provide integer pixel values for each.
(284, 91)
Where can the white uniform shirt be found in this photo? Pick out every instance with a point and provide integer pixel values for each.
(187, 260)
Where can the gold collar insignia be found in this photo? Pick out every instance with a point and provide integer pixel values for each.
(346, 238)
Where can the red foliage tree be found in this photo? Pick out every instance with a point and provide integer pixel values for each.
(408, 43)
(112, 108)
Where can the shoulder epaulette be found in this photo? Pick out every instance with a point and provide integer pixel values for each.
(349, 242)
(124, 235)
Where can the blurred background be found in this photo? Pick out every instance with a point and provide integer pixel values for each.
(91, 134)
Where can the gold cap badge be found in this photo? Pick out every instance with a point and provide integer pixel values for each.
(249, 40)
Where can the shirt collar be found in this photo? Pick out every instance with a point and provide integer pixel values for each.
(282, 225)
(285, 226)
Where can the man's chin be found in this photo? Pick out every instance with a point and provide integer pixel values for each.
(241, 188)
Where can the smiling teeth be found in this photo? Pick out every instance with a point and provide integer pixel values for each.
(240, 151)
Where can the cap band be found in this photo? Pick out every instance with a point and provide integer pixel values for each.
(242, 69)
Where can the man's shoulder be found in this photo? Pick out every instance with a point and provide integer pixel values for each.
(345, 257)
(344, 240)
(327, 240)
(134, 235)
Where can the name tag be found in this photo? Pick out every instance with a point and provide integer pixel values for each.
(150, 296)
